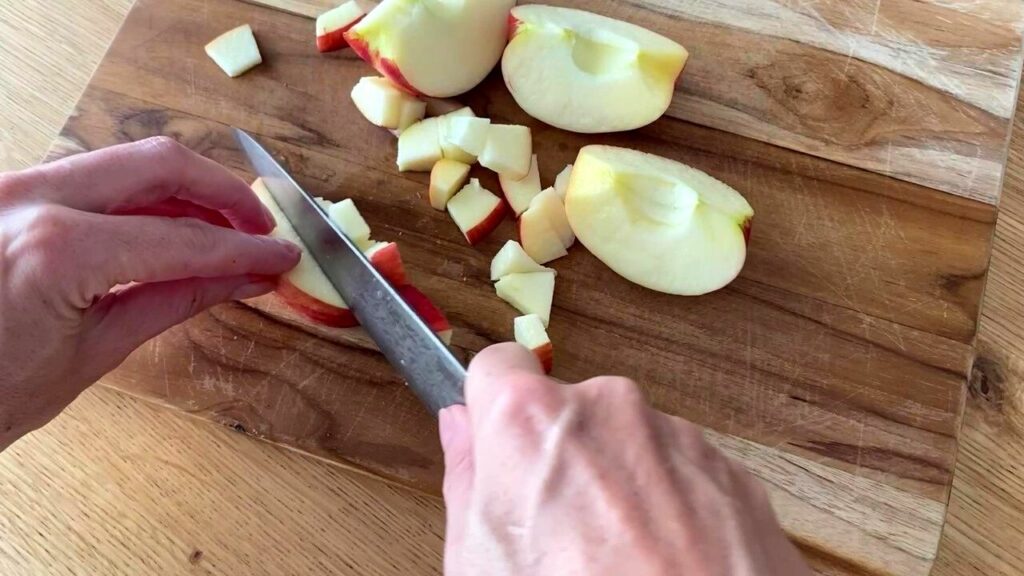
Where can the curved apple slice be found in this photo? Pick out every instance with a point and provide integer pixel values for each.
(588, 73)
(332, 25)
(438, 48)
(657, 222)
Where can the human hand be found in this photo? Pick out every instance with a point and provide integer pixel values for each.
(550, 479)
(75, 233)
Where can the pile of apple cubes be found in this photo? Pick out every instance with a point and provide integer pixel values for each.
(569, 68)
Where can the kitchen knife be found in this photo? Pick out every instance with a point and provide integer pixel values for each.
(412, 348)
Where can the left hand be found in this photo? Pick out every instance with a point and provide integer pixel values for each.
(102, 251)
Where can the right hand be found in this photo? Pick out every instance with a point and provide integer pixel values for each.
(548, 479)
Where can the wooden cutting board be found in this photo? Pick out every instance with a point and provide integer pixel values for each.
(834, 367)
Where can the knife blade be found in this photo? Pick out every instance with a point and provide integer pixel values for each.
(412, 348)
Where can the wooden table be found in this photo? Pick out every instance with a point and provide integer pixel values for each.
(118, 486)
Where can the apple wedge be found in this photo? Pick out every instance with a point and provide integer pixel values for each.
(587, 73)
(476, 211)
(383, 104)
(468, 134)
(529, 331)
(448, 149)
(446, 178)
(235, 51)
(657, 222)
(508, 150)
(512, 259)
(530, 292)
(438, 48)
(386, 258)
(520, 192)
(332, 25)
(426, 310)
(419, 147)
(549, 206)
(562, 181)
(347, 217)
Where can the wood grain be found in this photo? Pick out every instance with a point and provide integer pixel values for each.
(922, 91)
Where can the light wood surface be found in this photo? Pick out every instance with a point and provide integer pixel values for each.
(103, 478)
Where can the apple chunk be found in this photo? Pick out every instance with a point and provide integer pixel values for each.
(529, 331)
(512, 259)
(588, 73)
(347, 217)
(448, 148)
(383, 104)
(332, 25)
(476, 211)
(385, 257)
(530, 293)
(508, 150)
(657, 222)
(539, 238)
(468, 134)
(438, 48)
(562, 181)
(520, 192)
(549, 206)
(446, 178)
(235, 51)
(419, 146)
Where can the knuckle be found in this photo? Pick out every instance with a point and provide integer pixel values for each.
(45, 231)
(526, 396)
(165, 149)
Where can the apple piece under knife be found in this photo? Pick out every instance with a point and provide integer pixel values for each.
(412, 348)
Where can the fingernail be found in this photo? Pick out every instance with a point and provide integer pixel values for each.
(289, 247)
(253, 290)
(268, 216)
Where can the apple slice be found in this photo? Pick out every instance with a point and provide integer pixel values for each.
(332, 25)
(438, 48)
(448, 149)
(508, 150)
(419, 147)
(446, 178)
(657, 222)
(538, 237)
(530, 332)
(383, 104)
(588, 73)
(512, 259)
(426, 310)
(235, 51)
(520, 192)
(550, 205)
(347, 217)
(562, 181)
(468, 134)
(476, 211)
(386, 258)
(530, 293)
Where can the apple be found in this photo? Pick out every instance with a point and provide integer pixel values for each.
(448, 149)
(588, 73)
(332, 25)
(386, 258)
(347, 217)
(529, 292)
(476, 211)
(550, 206)
(235, 51)
(562, 181)
(419, 146)
(538, 237)
(383, 104)
(430, 313)
(508, 150)
(466, 133)
(520, 192)
(658, 222)
(529, 331)
(512, 259)
(413, 110)
(437, 48)
(446, 178)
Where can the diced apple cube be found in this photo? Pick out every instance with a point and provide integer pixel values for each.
(520, 192)
(508, 150)
(538, 237)
(446, 178)
(467, 133)
(476, 211)
(448, 149)
(347, 217)
(382, 103)
(512, 259)
(413, 111)
(529, 331)
(235, 51)
(530, 293)
(553, 209)
(418, 147)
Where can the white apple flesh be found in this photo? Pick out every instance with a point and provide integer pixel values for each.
(530, 293)
(446, 178)
(539, 238)
(657, 222)
(383, 104)
(529, 331)
(512, 259)
(235, 51)
(562, 181)
(347, 217)
(587, 73)
(448, 148)
(419, 147)
(508, 150)
(520, 192)
(550, 207)
(468, 134)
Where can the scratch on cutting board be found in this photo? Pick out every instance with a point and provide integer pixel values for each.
(874, 18)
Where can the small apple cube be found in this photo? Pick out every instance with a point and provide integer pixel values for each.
(419, 147)
(448, 149)
(520, 192)
(476, 211)
(538, 237)
(235, 51)
(551, 206)
(508, 150)
(530, 293)
(347, 217)
(386, 258)
(413, 110)
(562, 181)
(332, 25)
(529, 331)
(381, 102)
(446, 178)
(512, 259)
(468, 134)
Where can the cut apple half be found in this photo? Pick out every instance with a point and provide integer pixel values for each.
(657, 222)
(446, 178)
(588, 73)
(449, 149)
(529, 331)
(562, 181)
(476, 211)
(508, 150)
(332, 25)
(439, 48)
(383, 104)
(468, 134)
(530, 293)
(520, 192)
(512, 259)
(235, 51)
(419, 147)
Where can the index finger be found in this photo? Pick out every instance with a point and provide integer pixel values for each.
(496, 368)
(127, 177)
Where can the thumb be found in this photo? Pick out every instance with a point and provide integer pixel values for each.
(457, 442)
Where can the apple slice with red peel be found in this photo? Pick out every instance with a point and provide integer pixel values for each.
(426, 310)
(562, 181)
(529, 331)
(419, 146)
(550, 205)
(448, 149)
(530, 292)
(508, 150)
(538, 237)
(520, 192)
(332, 25)
(476, 211)
(383, 104)
(235, 51)
(588, 73)
(512, 259)
(386, 258)
(468, 134)
(446, 178)
(658, 222)
(437, 48)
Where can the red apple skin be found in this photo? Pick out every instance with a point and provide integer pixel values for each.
(426, 309)
(546, 354)
(315, 310)
(335, 39)
(747, 225)
(383, 65)
(513, 26)
(485, 227)
(388, 261)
